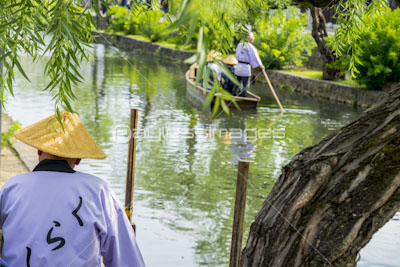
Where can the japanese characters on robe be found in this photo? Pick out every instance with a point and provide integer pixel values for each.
(54, 218)
(248, 57)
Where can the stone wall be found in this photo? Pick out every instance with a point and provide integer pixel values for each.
(128, 43)
(335, 92)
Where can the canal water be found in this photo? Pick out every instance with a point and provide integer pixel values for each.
(186, 161)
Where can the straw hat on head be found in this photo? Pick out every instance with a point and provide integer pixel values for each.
(231, 60)
(214, 55)
(73, 142)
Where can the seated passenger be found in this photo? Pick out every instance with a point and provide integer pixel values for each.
(230, 63)
(213, 66)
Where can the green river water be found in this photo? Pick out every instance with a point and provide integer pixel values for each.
(185, 183)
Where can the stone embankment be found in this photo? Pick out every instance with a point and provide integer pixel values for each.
(332, 91)
(129, 43)
(10, 164)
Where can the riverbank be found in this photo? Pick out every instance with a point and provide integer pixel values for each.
(333, 91)
(131, 43)
(11, 163)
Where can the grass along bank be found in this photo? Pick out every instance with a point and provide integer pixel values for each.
(315, 74)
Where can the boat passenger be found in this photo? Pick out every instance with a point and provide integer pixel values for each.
(56, 216)
(230, 63)
(214, 68)
(248, 57)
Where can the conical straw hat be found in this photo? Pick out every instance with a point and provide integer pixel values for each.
(214, 55)
(73, 142)
(231, 60)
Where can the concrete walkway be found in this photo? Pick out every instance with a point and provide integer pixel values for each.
(10, 164)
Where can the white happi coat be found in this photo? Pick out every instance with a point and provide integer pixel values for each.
(248, 57)
(54, 216)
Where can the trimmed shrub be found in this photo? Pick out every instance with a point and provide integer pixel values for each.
(282, 40)
(120, 19)
(379, 60)
(140, 20)
(153, 25)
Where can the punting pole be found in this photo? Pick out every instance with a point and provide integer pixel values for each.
(238, 217)
(130, 177)
(272, 90)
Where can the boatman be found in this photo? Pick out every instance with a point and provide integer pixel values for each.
(56, 216)
(248, 57)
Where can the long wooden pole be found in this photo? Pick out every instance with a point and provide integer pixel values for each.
(272, 90)
(238, 217)
(130, 177)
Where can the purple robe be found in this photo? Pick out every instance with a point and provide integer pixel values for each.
(54, 218)
(247, 56)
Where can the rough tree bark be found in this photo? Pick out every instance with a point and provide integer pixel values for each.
(332, 197)
(319, 32)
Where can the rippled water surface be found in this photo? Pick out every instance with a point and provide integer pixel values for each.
(185, 183)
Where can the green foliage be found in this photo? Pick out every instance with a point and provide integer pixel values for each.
(7, 138)
(120, 20)
(141, 19)
(350, 16)
(315, 74)
(282, 40)
(378, 50)
(153, 25)
(24, 25)
(318, 75)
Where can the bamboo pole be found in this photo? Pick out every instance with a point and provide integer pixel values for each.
(130, 179)
(238, 217)
(272, 90)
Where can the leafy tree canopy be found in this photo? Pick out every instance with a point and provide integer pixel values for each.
(24, 24)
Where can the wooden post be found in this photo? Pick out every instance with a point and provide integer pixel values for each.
(130, 178)
(240, 207)
(272, 90)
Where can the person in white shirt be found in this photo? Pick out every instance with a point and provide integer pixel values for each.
(247, 56)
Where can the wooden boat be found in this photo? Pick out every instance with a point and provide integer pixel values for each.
(196, 94)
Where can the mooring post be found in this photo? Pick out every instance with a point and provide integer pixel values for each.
(130, 177)
(238, 217)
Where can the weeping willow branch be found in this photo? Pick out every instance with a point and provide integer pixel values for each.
(23, 26)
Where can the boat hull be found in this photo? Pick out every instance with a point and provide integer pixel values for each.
(197, 95)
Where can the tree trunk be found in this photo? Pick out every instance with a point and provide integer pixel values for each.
(319, 33)
(332, 197)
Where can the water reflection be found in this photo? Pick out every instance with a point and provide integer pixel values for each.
(185, 185)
